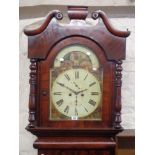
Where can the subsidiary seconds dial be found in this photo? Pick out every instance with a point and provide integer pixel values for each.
(76, 93)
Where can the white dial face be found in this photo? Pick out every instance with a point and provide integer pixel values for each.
(76, 93)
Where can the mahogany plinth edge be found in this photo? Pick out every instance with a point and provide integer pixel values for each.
(46, 131)
(74, 143)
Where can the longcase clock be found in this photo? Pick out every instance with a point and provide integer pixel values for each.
(75, 84)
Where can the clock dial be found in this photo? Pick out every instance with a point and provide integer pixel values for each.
(76, 93)
(76, 84)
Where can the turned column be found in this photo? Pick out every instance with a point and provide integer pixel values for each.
(33, 93)
(118, 104)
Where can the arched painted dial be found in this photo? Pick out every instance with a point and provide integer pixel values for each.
(76, 93)
(74, 55)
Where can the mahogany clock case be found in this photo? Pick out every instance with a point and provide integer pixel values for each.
(44, 43)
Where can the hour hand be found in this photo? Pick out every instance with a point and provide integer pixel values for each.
(81, 91)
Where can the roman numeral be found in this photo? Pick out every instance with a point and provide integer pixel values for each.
(57, 93)
(85, 77)
(66, 110)
(76, 112)
(92, 84)
(67, 77)
(76, 74)
(85, 109)
(94, 93)
(59, 103)
(93, 103)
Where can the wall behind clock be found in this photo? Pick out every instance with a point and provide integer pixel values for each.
(121, 14)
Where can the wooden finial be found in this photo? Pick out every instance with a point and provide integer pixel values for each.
(77, 12)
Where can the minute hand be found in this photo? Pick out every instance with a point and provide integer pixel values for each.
(81, 91)
(61, 84)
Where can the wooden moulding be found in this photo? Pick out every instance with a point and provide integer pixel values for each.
(65, 132)
(103, 16)
(48, 34)
(55, 13)
(74, 143)
(77, 13)
(113, 46)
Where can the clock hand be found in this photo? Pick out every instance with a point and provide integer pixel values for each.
(76, 93)
(76, 85)
(81, 91)
(61, 84)
(76, 100)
